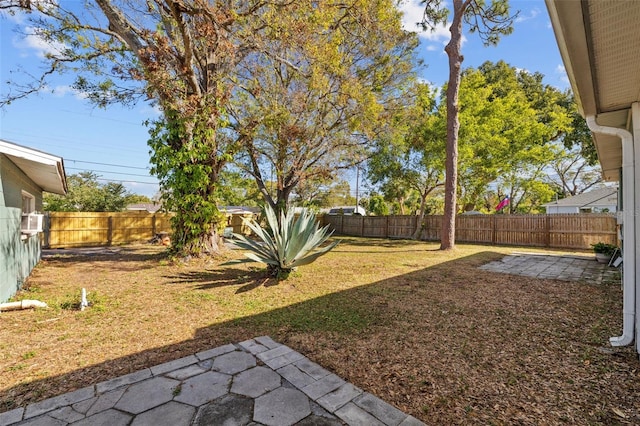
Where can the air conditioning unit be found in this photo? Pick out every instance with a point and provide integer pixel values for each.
(31, 223)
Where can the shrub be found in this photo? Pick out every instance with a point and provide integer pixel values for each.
(604, 248)
(287, 244)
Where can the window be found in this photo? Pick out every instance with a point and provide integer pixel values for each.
(28, 203)
(31, 222)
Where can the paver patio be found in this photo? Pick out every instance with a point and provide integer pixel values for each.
(546, 266)
(255, 382)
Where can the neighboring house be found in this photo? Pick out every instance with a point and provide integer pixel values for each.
(148, 207)
(603, 200)
(600, 46)
(24, 174)
(239, 210)
(348, 210)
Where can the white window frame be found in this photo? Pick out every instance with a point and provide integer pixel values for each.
(31, 221)
(31, 208)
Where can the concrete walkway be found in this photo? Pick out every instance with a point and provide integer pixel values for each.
(256, 382)
(557, 267)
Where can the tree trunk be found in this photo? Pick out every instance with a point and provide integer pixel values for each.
(423, 205)
(209, 243)
(447, 240)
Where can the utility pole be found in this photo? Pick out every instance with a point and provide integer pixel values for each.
(357, 188)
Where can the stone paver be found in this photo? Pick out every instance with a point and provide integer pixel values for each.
(199, 390)
(258, 382)
(255, 382)
(234, 362)
(323, 386)
(354, 415)
(106, 418)
(339, 397)
(544, 266)
(281, 407)
(172, 413)
(229, 410)
(146, 395)
(105, 401)
(388, 414)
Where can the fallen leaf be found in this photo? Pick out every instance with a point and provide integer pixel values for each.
(619, 413)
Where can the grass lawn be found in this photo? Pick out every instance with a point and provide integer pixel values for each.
(424, 330)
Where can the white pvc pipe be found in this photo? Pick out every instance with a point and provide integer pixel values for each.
(628, 230)
(23, 304)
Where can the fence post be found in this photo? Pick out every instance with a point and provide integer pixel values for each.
(362, 226)
(494, 225)
(109, 230)
(547, 228)
(386, 228)
(47, 230)
(153, 226)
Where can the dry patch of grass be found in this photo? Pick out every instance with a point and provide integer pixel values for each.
(423, 329)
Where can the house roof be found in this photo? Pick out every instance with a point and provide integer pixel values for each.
(603, 197)
(600, 46)
(150, 207)
(239, 209)
(45, 170)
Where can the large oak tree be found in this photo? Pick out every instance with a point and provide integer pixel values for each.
(310, 106)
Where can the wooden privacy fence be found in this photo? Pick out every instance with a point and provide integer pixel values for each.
(91, 229)
(573, 231)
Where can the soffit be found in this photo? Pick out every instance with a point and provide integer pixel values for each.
(45, 170)
(599, 41)
(614, 27)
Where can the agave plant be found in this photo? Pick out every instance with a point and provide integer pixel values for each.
(287, 244)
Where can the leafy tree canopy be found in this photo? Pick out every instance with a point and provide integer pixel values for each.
(87, 194)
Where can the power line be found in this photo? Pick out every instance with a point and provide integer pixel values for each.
(127, 181)
(38, 141)
(105, 171)
(107, 164)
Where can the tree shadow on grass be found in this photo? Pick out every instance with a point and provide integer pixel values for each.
(206, 280)
(119, 257)
(385, 244)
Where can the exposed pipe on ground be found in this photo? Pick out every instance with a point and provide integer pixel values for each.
(628, 222)
(23, 304)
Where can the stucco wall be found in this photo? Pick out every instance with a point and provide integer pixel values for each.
(17, 256)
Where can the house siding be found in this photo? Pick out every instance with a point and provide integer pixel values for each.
(17, 256)
(562, 209)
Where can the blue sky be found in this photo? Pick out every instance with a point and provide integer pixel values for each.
(112, 142)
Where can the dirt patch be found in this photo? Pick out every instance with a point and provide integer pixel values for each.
(425, 330)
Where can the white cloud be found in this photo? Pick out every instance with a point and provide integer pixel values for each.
(63, 90)
(150, 110)
(430, 83)
(412, 13)
(37, 42)
(561, 71)
(533, 13)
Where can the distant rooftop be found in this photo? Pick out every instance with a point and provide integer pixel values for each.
(602, 197)
(150, 207)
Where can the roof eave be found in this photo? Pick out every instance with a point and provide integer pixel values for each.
(45, 170)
